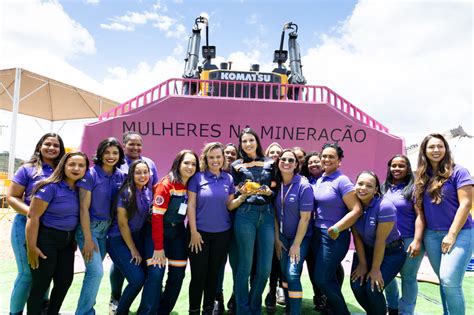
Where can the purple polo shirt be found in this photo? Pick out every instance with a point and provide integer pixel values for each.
(298, 199)
(212, 193)
(440, 216)
(406, 215)
(103, 188)
(62, 212)
(328, 193)
(379, 210)
(144, 200)
(27, 177)
(153, 171)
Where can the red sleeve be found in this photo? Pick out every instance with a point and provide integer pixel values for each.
(160, 204)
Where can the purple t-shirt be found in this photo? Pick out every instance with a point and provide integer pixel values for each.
(212, 193)
(297, 199)
(153, 171)
(379, 210)
(405, 210)
(328, 193)
(440, 216)
(27, 177)
(103, 188)
(144, 199)
(62, 212)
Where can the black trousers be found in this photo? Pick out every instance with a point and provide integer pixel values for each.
(58, 246)
(205, 267)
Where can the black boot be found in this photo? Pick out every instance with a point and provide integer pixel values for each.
(219, 304)
(270, 301)
(392, 311)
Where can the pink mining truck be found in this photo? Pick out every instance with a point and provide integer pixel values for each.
(211, 103)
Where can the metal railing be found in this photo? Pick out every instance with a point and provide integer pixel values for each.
(273, 92)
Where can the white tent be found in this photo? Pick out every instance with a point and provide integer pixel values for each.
(28, 93)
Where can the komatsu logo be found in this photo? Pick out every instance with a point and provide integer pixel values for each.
(246, 76)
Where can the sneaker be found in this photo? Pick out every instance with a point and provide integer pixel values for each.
(231, 305)
(113, 304)
(270, 301)
(219, 304)
(280, 296)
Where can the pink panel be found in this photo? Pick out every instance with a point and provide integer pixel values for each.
(179, 122)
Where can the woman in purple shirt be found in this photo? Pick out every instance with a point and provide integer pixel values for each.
(379, 254)
(210, 195)
(398, 188)
(337, 209)
(97, 189)
(48, 152)
(294, 205)
(130, 245)
(52, 220)
(443, 190)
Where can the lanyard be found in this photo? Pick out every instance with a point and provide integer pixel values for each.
(283, 197)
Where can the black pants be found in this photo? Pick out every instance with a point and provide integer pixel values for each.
(58, 246)
(205, 267)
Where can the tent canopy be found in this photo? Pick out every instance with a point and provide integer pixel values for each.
(52, 100)
(28, 93)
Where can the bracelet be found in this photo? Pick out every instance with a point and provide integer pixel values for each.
(335, 229)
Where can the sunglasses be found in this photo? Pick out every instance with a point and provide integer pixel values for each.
(289, 160)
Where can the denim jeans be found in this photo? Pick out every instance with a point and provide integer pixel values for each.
(291, 274)
(254, 227)
(329, 253)
(116, 282)
(450, 267)
(94, 269)
(373, 301)
(138, 276)
(406, 304)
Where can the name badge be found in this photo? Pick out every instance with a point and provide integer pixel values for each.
(182, 209)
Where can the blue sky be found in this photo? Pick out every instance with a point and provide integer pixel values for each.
(406, 63)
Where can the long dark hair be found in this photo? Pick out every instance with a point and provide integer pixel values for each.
(259, 151)
(304, 168)
(37, 159)
(278, 177)
(59, 174)
(408, 181)
(432, 184)
(173, 174)
(128, 190)
(103, 145)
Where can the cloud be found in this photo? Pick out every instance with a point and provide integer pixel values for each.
(93, 2)
(117, 27)
(407, 64)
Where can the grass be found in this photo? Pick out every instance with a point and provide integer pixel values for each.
(427, 303)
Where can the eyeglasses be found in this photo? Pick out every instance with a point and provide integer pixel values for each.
(289, 160)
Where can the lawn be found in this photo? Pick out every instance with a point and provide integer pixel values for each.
(428, 299)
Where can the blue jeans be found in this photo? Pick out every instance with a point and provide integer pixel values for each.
(406, 304)
(291, 274)
(94, 269)
(116, 282)
(373, 302)
(450, 268)
(138, 276)
(254, 227)
(328, 254)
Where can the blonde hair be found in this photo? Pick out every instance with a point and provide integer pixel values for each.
(205, 152)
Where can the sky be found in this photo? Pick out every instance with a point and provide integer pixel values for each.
(406, 63)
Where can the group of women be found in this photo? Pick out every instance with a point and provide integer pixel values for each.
(268, 212)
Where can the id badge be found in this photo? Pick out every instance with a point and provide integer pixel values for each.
(182, 209)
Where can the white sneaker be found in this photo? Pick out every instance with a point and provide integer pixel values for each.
(113, 304)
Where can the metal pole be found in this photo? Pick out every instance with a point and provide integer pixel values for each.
(16, 105)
